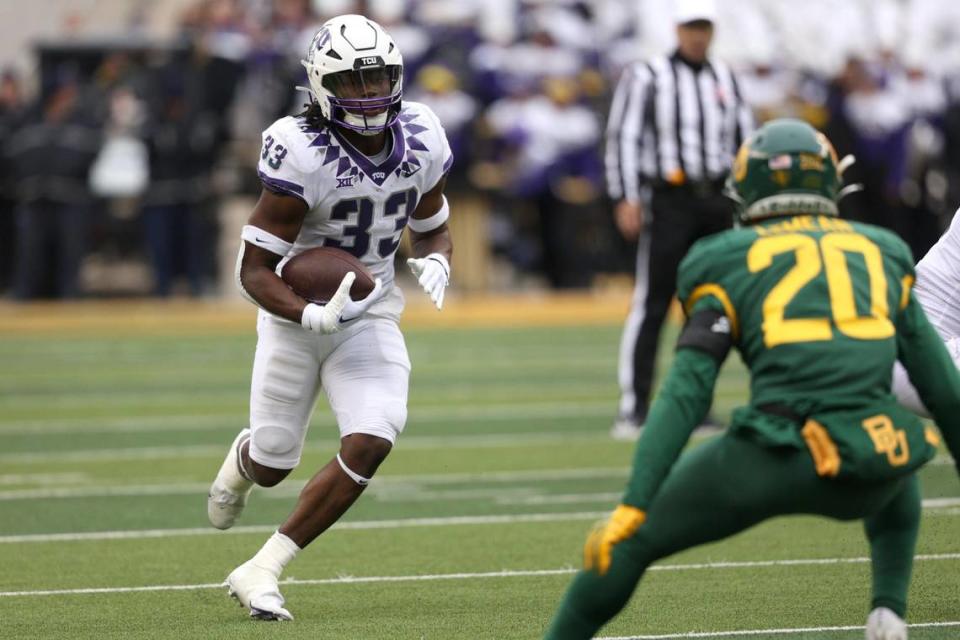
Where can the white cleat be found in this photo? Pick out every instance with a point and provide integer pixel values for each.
(225, 502)
(884, 624)
(257, 590)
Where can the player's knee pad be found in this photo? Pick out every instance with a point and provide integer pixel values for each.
(274, 441)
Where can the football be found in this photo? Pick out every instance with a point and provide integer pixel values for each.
(315, 274)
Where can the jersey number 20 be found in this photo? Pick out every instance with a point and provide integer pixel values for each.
(843, 308)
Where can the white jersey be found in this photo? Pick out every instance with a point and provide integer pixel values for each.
(355, 204)
(938, 282)
(938, 292)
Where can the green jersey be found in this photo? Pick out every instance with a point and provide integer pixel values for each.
(812, 303)
(819, 309)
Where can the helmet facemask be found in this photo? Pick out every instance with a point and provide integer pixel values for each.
(365, 100)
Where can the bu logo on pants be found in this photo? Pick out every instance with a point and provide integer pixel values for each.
(888, 440)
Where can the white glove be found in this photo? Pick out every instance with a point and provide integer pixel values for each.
(330, 317)
(433, 274)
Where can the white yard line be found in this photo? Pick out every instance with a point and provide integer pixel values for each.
(104, 492)
(191, 422)
(940, 503)
(392, 483)
(13, 479)
(509, 476)
(382, 492)
(805, 562)
(610, 497)
(410, 443)
(136, 534)
(125, 424)
(112, 455)
(394, 489)
(413, 443)
(403, 495)
(746, 633)
(705, 566)
(941, 460)
(361, 524)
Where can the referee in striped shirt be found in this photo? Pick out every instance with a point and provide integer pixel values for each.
(675, 124)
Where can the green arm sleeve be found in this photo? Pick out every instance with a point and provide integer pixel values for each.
(932, 372)
(681, 405)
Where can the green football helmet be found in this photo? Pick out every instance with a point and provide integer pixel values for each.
(786, 168)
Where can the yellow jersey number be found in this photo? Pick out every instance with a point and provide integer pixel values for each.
(811, 257)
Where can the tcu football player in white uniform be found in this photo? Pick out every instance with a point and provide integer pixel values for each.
(938, 291)
(353, 171)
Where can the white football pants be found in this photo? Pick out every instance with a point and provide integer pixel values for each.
(363, 369)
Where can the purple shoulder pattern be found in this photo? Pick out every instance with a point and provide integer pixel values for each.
(403, 161)
(408, 122)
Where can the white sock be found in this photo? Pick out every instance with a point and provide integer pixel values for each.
(231, 475)
(276, 553)
(236, 483)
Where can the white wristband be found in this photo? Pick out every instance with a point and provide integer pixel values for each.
(422, 225)
(266, 240)
(236, 275)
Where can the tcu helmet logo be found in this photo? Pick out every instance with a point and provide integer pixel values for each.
(322, 38)
(369, 61)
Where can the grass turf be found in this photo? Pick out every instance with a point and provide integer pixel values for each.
(105, 433)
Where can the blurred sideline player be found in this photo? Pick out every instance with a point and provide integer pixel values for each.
(819, 309)
(351, 172)
(938, 292)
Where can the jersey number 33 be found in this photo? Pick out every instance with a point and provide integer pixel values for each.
(363, 219)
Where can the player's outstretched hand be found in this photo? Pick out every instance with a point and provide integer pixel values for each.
(341, 309)
(623, 523)
(433, 274)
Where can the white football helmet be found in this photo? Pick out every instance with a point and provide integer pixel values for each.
(355, 73)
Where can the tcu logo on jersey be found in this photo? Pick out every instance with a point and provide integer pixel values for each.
(379, 175)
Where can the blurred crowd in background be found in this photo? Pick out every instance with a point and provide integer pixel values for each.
(120, 148)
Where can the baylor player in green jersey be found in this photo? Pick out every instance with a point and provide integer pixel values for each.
(819, 309)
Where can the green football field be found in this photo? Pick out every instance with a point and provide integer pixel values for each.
(472, 528)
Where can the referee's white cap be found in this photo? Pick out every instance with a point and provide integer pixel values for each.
(693, 10)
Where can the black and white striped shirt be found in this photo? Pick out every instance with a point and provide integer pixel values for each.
(672, 122)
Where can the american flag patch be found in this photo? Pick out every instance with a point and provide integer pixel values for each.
(779, 163)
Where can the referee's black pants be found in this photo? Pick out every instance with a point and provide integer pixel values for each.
(681, 216)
